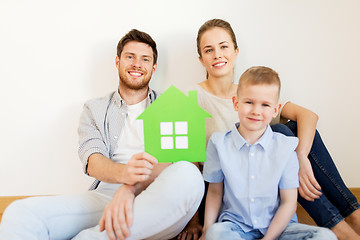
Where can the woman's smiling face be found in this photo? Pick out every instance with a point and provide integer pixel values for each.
(218, 53)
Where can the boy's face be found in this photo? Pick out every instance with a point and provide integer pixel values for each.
(256, 105)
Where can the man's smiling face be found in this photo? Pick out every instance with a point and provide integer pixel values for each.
(135, 65)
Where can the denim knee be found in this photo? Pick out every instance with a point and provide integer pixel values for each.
(190, 178)
(19, 222)
(216, 231)
(182, 183)
(223, 230)
(20, 209)
(304, 231)
(324, 233)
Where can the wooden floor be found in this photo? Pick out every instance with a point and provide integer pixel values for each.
(302, 214)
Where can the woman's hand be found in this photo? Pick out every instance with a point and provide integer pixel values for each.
(309, 188)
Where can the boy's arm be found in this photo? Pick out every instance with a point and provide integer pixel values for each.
(212, 205)
(287, 208)
(306, 127)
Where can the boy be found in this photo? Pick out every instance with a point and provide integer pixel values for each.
(253, 172)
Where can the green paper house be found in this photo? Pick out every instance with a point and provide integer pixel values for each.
(174, 127)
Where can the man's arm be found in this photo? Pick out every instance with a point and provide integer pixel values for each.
(306, 126)
(212, 205)
(287, 208)
(138, 169)
(118, 214)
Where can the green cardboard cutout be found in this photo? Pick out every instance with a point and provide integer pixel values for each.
(174, 127)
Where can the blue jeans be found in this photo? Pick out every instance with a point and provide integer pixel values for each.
(231, 231)
(337, 201)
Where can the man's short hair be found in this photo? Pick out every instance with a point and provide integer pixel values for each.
(137, 36)
(259, 75)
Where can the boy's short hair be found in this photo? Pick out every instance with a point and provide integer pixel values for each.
(259, 75)
(137, 36)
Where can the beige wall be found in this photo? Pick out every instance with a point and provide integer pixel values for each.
(54, 55)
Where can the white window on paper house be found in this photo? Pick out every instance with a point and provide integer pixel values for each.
(174, 135)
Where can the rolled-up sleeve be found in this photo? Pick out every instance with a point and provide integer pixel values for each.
(91, 135)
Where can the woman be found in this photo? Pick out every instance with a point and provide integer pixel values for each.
(322, 192)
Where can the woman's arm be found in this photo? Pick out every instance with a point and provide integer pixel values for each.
(212, 205)
(287, 208)
(306, 128)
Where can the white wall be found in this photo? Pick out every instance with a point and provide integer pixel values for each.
(54, 55)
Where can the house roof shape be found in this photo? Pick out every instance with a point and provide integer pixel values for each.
(174, 104)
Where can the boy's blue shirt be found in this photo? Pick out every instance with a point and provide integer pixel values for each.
(252, 174)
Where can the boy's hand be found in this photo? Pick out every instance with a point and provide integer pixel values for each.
(139, 168)
(309, 188)
(117, 217)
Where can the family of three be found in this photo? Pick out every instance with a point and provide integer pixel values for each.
(254, 171)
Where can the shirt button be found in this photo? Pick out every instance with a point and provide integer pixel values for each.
(122, 113)
(252, 154)
(255, 222)
(252, 177)
(252, 200)
(116, 137)
(248, 145)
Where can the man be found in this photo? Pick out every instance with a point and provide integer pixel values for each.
(111, 149)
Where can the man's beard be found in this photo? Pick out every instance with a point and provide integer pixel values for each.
(134, 85)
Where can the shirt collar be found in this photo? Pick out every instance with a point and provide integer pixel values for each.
(264, 140)
(239, 141)
(119, 101)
